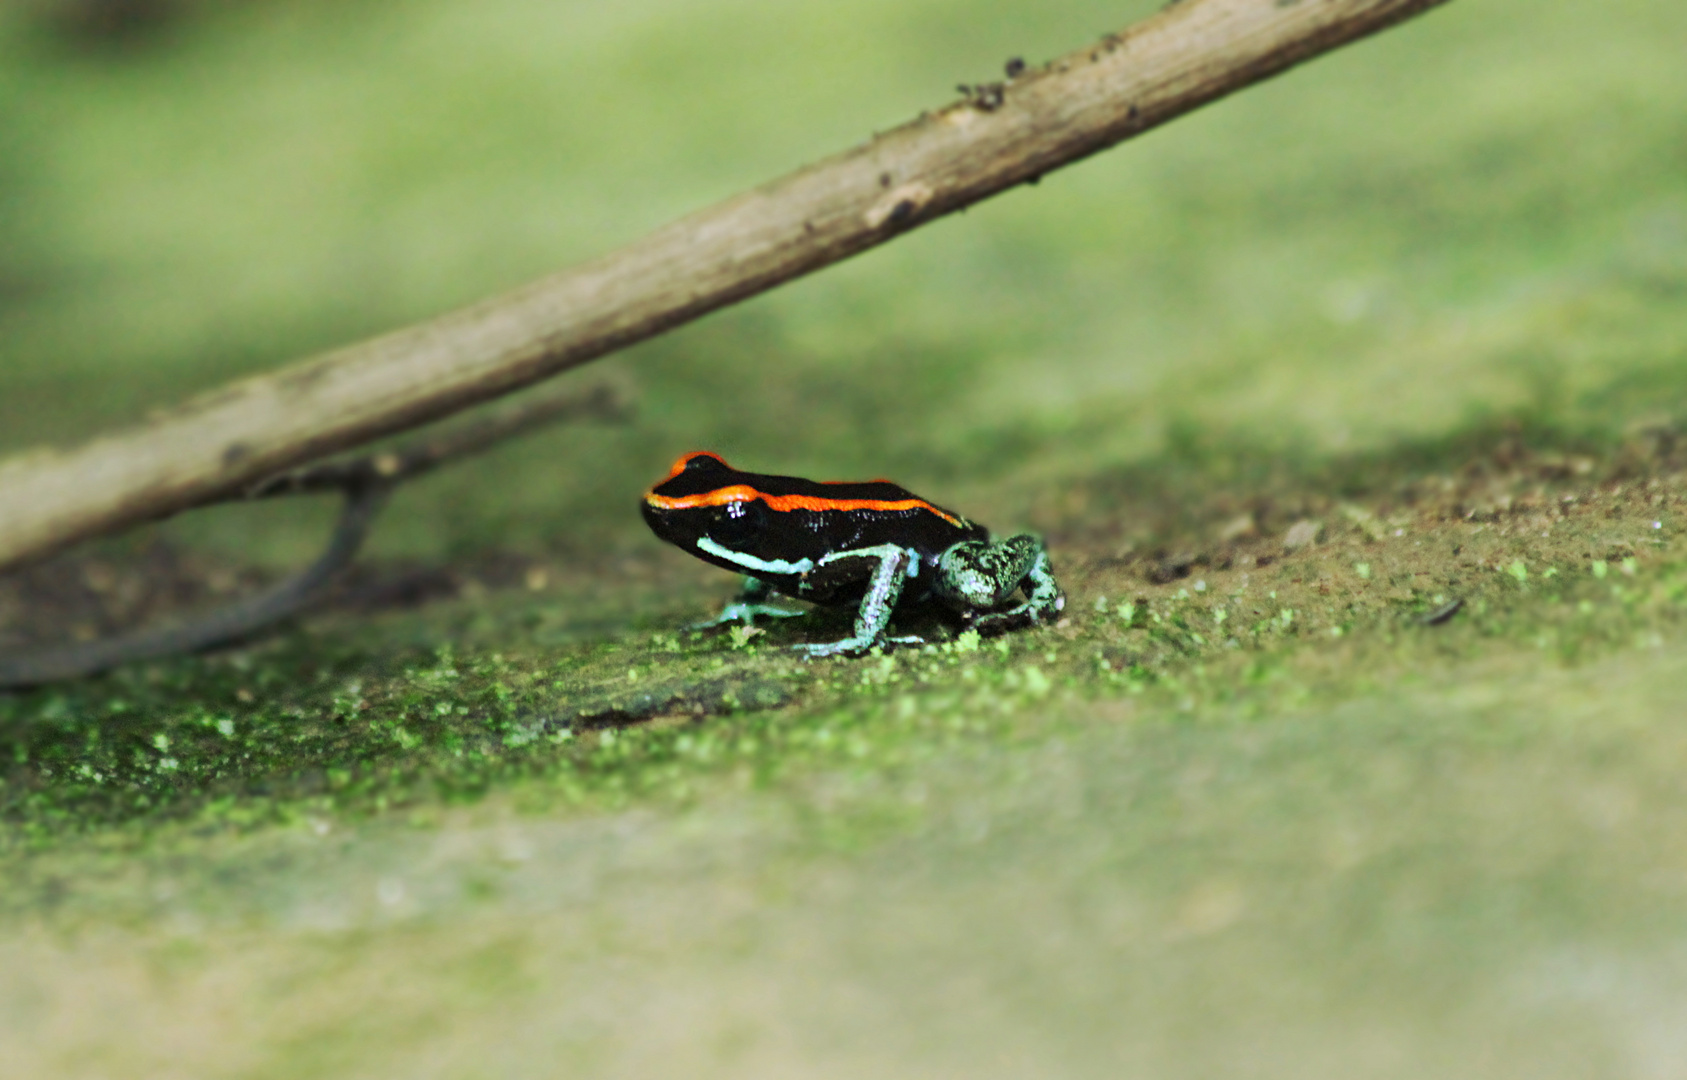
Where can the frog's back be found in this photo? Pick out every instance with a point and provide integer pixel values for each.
(789, 520)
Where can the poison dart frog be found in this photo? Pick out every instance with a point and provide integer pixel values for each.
(872, 545)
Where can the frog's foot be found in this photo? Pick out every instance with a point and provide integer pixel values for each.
(737, 612)
(746, 613)
(883, 589)
(1043, 600)
(751, 601)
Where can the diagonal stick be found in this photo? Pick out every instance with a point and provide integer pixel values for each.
(997, 136)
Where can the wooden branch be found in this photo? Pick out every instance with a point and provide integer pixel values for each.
(998, 136)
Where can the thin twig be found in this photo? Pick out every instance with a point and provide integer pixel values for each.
(412, 459)
(995, 138)
(366, 482)
(231, 623)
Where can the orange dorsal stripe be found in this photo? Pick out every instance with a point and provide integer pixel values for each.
(746, 493)
(685, 459)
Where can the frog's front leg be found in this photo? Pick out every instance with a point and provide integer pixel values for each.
(752, 600)
(974, 576)
(894, 566)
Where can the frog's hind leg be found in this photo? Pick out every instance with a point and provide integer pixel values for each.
(883, 589)
(974, 577)
(1043, 599)
(752, 600)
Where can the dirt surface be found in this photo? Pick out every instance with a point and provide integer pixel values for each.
(1566, 548)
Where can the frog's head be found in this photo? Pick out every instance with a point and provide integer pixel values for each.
(703, 497)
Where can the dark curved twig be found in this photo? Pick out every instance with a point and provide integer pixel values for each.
(366, 482)
(243, 617)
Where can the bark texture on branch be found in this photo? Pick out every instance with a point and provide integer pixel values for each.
(998, 136)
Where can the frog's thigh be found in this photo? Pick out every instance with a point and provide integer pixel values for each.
(974, 574)
(1043, 597)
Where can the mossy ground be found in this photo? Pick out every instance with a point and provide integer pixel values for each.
(1352, 410)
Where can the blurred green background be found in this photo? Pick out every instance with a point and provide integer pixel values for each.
(1385, 859)
(1467, 215)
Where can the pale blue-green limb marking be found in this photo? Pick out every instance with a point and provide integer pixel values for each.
(883, 589)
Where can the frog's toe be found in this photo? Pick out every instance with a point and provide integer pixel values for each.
(831, 648)
(992, 622)
(858, 647)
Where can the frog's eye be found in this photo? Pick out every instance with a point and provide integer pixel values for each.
(736, 523)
